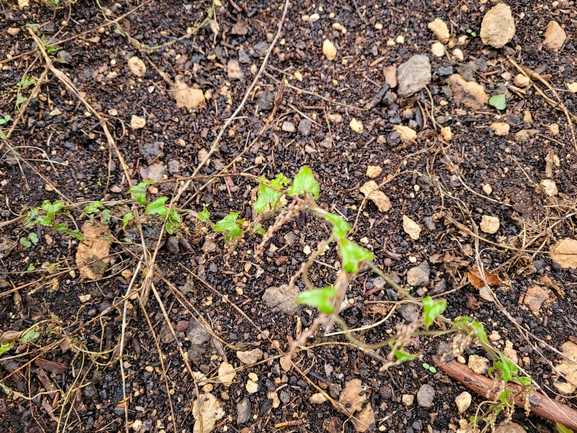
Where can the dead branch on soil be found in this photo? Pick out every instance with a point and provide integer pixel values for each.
(539, 403)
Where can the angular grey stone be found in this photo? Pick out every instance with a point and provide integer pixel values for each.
(413, 75)
(283, 298)
(409, 312)
(425, 396)
(419, 275)
(243, 411)
(305, 127)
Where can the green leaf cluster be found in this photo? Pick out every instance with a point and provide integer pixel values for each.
(172, 217)
(498, 101)
(230, 225)
(269, 193)
(432, 309)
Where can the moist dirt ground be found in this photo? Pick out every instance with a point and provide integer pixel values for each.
(131, 346)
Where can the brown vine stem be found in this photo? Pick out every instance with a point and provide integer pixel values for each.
(539, 404)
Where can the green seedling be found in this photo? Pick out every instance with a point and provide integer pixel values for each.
(472, 33)
(498, 101)
(432, 309)
(429, 368)
(319, 298)
(230, 225)
(204, 215)
(269, 193)
(172, 217)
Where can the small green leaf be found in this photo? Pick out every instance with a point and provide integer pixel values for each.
(173, 222)
(5, 347)
(60, 227)
(126, 219)
(157, 207)
(52, 209)
(305, 183)
(432, 369)
(93, 207)
(33, 237)
(106, 216)
(319, 298)
(562, 429)
(204, 215)
(25, 242)
(504, 396)
(340, 227)
(230, 226)
(258, 229)
(352, 255)
(426, 366)
(76, 235)
(266, 199)
(498, 101)
(523, 380)
(5, 120)
(431, 309)
(139, 191)
(30, 335)
(403, 356)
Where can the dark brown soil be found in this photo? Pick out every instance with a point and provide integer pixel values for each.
(63, 154)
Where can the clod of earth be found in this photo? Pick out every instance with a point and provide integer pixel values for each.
(500, 129)
(374, 171)
(555, 36)
(413, 75)
(356, 125)
(479, 364)
(250, 356)
(405, 133)
(463, 401)
(137, 66)
(92, 256)
(283, 297)
(186, 96)
(438, 49)
(470, 94)
(565, 253)
(568, 369)
(371, 190)
(210, 409)
(489, 224)
(234, 70)
(411, 228)
(137, 122)
(498, 26)
(440, 29)
(329, 50)
(549, 187)
(226, 374)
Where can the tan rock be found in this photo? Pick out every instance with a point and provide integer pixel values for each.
(489, 224)
(226, 374)
(329, 50)
(234, 71)
(137, 122)
(438, 49)
(549, 187)
(251, 386)
(459, 55)
(137, 66)
(390, 73)
(352, 396)
(498, 26)
(522, 81)
(555, 36)
(364, 420)
(446, 133)
(535, 297)
(478, 364)
(210, 409)
(568, 368)
(463, 401)
(406, 133)
(470, 94)
(572, 87)
(408, 399)
(374, 171)
(527, 116)
(500, 129)
(487, 189)
(356, 126)
(554, 129)
(511, 354)
(371, 190)
(318, 398)
(250, 356)
(565, 253)
(411, 228)
(440, 29)
(186, 96)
